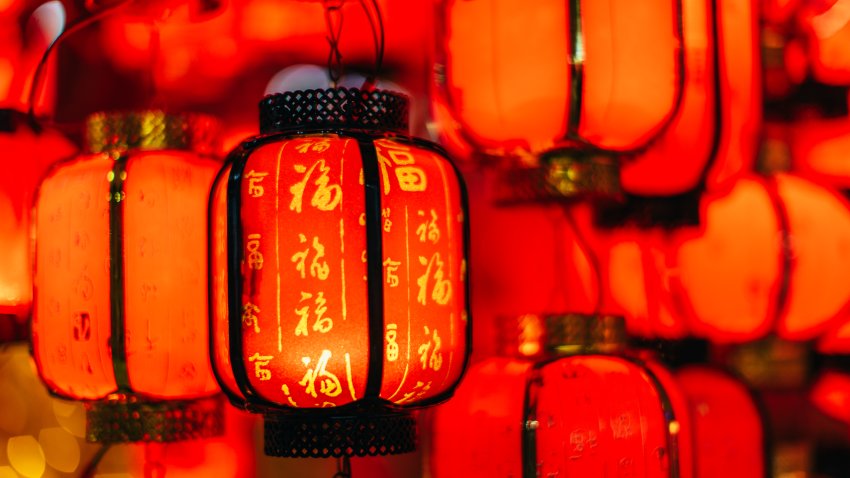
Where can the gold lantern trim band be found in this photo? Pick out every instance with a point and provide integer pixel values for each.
(151, 130)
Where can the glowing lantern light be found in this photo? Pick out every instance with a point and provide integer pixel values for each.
(831, 394)
(818, 149)
(827, 25)
(558, 87)
(339, 245)
(774, 250)
(588, 414)
(17, 187)
(719, 403)
(121, 307)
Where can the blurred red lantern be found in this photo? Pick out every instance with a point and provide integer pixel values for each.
(773, 249)
(719, 403)
(561, 86)
(827, 28)
(345, 285)
(831, 394)
(588, 414)
(20, 139)
(818, 149)
(121, 307)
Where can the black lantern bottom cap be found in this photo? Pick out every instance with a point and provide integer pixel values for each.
(125, 418)
(356, 435)
(562, 174)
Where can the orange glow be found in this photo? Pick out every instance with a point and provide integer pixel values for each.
(739, 256)
(828, 33)
(17, 189)
(509, 85)
(831, 395)
(819, 149)
(147, 208)
(719, 405)
(589, 416)
(305, 310)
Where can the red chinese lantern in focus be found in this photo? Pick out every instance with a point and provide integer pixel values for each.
(587, 414)
(120, 316)
(773, 249)
(718, 404)
(558, 88)
(18, 139)
(339, 247)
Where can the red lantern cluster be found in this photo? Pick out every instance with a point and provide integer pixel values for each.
(342, 301)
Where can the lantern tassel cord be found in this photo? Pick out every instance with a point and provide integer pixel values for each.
(91, 469)
(343, 467)
(592, 258)
(38, 75)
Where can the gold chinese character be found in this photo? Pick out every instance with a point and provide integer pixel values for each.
(318, 269)
(322, 324)
(392, 345)
(392, 271)
(255, 258)
(328, 386)
(325, 198)
(428, 230)
(254, 179)
(419, 390)
(249, 316)
(434, 359)
(261, 361)
(285, 389)
(409, 176)
(316, 145)
(441, 293)
(385, 213)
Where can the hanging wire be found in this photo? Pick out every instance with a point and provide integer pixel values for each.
(376, 23)
(590, 254)
(38, 76)
(333, 21)
(343, 467)
(91, 469)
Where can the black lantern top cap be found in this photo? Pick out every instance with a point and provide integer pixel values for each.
(380, 110)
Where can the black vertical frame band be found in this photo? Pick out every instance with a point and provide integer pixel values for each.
(528, 427)
(576, 68)
(374, 264)
(118, 336)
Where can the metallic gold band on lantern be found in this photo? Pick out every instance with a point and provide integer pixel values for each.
(771, 363)
(151, 130)
(580, 333)
(562, 174)
(534, 335)
(128, 418)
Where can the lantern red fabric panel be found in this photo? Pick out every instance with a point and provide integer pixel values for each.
(741, 89)
(835, 341)
(305, 317)
(831, 394)
(585, 415)
(509, 87)
(827, 29)
(718, 404)
(675, 161)
(151, 206)
(17, 191)
(795, 290)
(71, 320)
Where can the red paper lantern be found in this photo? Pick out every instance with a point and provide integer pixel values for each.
(580, 415)
(718, 403)
(827, 28)
(121, 307)
(773, 250)
(339, 297)
(831, 394)
(19, 139)
(558, 85)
